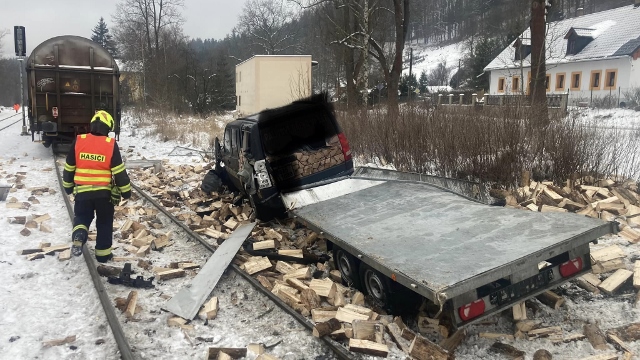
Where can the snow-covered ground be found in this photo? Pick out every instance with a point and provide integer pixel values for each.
(428, 57)
(48, 299)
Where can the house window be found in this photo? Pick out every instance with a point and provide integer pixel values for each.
(576, 79)
(595, 80)
(560, 81)
(501, 84)
(547, 82)
(611, 79)
(515, 84)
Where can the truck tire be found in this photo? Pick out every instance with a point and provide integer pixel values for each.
(347, 264)
(376, 285)
(211, 182)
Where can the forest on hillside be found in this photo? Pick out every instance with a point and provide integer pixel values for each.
(357, 44)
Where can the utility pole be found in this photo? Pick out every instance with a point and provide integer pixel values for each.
(410, 72)
(19, 39)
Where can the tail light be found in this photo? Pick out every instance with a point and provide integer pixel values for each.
(571, 267)
(471, 310)
(346, 151)
(261, 174)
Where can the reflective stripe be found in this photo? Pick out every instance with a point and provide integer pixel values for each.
(91, 171)
(86, 188)
(98, 180)
(84, 136)
(103, 252)
(78, 227)
(108, 139)
(125, 188)
(67, 184)
(117, 169)
(78, 243)
(69, 167)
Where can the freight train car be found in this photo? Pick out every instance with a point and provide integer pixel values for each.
(69, 78)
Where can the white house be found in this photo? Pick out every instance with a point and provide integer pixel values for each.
(590, 56)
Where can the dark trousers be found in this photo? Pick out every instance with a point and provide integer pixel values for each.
(83, 216)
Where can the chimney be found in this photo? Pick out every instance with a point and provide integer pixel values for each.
(580, 11)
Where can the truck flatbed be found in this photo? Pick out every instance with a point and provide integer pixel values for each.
(434, 241)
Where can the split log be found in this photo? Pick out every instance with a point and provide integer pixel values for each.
(64, 255)
(284, 268)
(25, 232)
(615, 281)
(235, 353)
(257, 264)
(39, 255)
(130, 308)
(452, 342)
(506, 349)
(618, 343)
(423, 349)
(368, 347)
(628, 333)
(210, 309)
(570, 338)
(551, 299)
(319, 315)
(176, 321)
(170, 274)
(519, 311)
(363, 329)
(542, 354)
(294, 253)
(608, 266)
(595, 336)
(554, 331)
(257, 349)
(21, 220)
(495, 336)
(346, 315)
(106, 270)
(327, 327)
(396, 336)
(326, 287)
(58, 342)
(264, 282)
(261, 245)
(310, 299)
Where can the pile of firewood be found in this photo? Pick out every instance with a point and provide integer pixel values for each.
(302, 163)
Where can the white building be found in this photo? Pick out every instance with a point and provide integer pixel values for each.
(268, 81)
(590, 56)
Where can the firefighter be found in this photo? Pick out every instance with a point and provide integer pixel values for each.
(16, 107)
(95, 173)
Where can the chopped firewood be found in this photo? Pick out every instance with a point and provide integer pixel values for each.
(160, 242)
(318, 315)
(231, 224)
(107, 270)
(326, 287)
(257, 349)
(272, 234)
(143, 251)
(495, 336)
(551, 299)
(176, 321)
(284, 268)
(257, 264)
(58, 342)
(293, 253)
(587, 285)
(45, 228)
(18, 205)
(569, 338)
(338, 299)
(188, 265)
(364, 329)
(368, 347)
(548, 208)
(64, 255)
(25, 232)
(261, 245)
(618, 343)
(327, 327)
(265, 282)
(335, 275)
(545, 332)
(126, 226)
(396, 336)
(430, 328)
(358, 298)
(56, 248)
(210, 309)
(140, 242)
(297, 284)
(542, 354)
(266, 357)
(628, 333)
(606, 254)
(42, 218)
(170, 274)
(519, 311)
(130, 308)
(31, 224)
(452, 342)
(602, 357)
(235, 353)
(300, 274)
(39, 255)
(527, 325)
(596, 336)
(423, 349)
(223, 356)
(30, 251)
(608, 266)
(506, 349)
(347, 315)
(615, 281)
(630, 234)
(21, 220)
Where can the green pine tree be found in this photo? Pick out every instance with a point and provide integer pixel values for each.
(100, 34)
(423, 82)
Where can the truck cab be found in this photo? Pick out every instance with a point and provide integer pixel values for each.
(281, 150)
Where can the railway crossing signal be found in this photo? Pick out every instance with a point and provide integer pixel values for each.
(20, 41)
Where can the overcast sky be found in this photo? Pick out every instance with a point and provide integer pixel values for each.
(44, 19)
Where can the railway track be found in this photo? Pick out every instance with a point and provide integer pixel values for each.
(7, 118)
(191, 243)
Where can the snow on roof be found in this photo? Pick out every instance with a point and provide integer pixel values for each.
(614, 32)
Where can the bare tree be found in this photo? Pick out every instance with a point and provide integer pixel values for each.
(268, 23)
(538, 63)
(3, 34)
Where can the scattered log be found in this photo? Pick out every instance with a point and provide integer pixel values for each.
(608, 266)
(368, 347)
(507, 350)
(396, 335)
(170, 274)
(130, 308)
(615, 281)
(264, 282)
(618, 343)
(25, 232)
(58, 342)
(319, 315)
(39, 255)
(596, 336)
(327, 327)
(551, 299)
(555, 331)
(293, 253)
(64, 255)
(423, 349)
(452, 342)
(235, 353)
(21, 220)
(310, 299)
(346, 315)
(107, 270)
(284, 268)
(261, 245)
(210, 309)
(627, 333)
(176, 321)
(326, 287)
(257, 264)
(257, 349)
(542, 354)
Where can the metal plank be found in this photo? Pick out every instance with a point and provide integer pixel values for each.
(188, 300)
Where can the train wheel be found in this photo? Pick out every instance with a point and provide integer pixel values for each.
(348, 267)
(376, 285)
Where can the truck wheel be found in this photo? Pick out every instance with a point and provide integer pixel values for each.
(376, 285)
(211, 182)
(348, 267)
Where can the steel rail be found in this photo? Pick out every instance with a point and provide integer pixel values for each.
(112, 318)
(337, 349)
(13, 123)
(9, 117)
